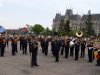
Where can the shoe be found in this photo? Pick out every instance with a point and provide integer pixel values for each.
(66, 57)
(36, 65)
(97, 65)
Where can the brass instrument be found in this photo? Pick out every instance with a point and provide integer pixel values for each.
(79, 33)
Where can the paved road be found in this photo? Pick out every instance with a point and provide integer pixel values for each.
(20, 65)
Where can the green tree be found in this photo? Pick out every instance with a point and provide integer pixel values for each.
(47, 31)
(64, 28)
(89, 25)
(67, 27)
(72, 32)
(62, 33)
(61, 26)
(37, 29)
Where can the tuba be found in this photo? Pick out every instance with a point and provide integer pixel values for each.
(79, 33)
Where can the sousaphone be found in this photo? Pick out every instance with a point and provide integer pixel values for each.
(79, 33)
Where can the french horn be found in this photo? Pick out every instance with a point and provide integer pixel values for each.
(79, 33)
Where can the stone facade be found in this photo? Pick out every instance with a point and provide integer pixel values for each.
(76, 21)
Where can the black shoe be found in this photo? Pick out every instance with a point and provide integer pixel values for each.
(13, 54)
(2, 55)
(90, 61)
(66, 57)
(36, 65)
(97, 65)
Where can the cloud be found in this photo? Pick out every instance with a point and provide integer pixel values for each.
(1, 4)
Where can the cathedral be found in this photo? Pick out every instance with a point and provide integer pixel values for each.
(77, 21)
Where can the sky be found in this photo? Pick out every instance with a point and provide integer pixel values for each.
(17, 13)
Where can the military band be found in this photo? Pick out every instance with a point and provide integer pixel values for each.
(66, 46)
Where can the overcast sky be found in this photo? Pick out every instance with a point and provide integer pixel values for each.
(18, 13)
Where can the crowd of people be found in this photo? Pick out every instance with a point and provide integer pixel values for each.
(68, 46)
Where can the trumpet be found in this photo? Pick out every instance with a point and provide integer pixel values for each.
(79, 33)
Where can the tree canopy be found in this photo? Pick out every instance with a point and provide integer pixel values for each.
(37, 29)
(89, 25)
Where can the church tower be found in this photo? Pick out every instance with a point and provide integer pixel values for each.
(69, 13)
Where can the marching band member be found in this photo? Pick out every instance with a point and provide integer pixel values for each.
(90, 51)
(98, 58)
(83, 46)
(2, 45)
(14, 45)
(42, 42)
(72, 47)
(77, 48)
(97, 53)
(33, 46)
(21, 41)
(57, 45)
(67, 41)
(46, 44)
(52, 47)
(24, 45)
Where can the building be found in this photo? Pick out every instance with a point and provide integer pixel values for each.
(95, 20)
(76, 21)
(13, 31)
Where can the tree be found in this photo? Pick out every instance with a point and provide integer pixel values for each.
(47, 31)
(89, 25)
(64, 28)
(62, 23)
(37, 29)
(72, 32)
(67, 27)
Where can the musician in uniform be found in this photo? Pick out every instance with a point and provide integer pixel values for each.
(72, 47)
(67, 41)
(52, 47)
(97, 52)
(24, 45)
(14, 45)
(33, 46)
(77, 48)
(83, 46)
(98, 58)
(46, 46)
(90, 51)
(21, 40)
(62, 45)
(7, 40)
(2, 46)
(57, 45)
(42, 42)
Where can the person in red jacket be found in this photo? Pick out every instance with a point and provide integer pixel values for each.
(98, 58)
